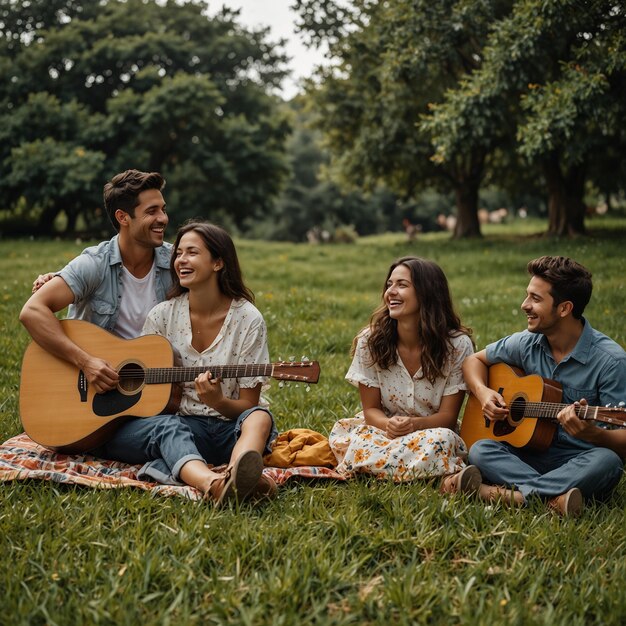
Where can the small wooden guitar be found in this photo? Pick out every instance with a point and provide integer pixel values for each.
(59, 410)
(534, 403)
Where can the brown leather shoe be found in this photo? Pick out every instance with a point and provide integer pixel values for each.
(568, 504)
(468, 480)
(265, 489)
(240, 479)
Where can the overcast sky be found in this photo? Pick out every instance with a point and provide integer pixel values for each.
(280, 18)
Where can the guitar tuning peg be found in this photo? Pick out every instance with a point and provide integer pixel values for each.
(292, 358)
(622, 403)
(281, 384)
(307, 388)
(305, 359)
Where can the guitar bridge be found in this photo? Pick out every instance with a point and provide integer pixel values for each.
(82, 386)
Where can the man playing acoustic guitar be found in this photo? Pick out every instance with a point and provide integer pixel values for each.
(115, 285)
(581, 459)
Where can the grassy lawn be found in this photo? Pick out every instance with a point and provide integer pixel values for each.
(322, 553)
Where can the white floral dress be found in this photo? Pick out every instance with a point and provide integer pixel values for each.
(361, 448)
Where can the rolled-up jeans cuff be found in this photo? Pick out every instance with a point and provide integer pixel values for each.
(157, 470)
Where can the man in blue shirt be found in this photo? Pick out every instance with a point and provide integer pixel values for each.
(583, 460)
(133, 264)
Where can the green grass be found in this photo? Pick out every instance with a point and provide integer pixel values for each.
(322, 553)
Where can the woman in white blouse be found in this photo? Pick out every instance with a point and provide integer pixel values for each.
(407, 367)
(209, 319)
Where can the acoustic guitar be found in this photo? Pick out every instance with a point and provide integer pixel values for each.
(60, 411)
(534, 403)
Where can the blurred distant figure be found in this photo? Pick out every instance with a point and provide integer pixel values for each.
(411, 230)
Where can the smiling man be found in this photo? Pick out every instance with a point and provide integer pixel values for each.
(582, 460)
(114, 284)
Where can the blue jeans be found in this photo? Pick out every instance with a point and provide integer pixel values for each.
(567, 463)
(164, 443)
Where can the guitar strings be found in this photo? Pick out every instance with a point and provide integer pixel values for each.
(156, 375)
(549, 410)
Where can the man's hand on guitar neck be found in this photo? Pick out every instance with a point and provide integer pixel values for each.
(572, 425)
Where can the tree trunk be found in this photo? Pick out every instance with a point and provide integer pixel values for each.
(467, 175)
(70, 228)
(46, 219)
(575, 207)
(566, 209)
(467, 224)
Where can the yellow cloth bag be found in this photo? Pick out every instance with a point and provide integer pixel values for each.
(299, 447)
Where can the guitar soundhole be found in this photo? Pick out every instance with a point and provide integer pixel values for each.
(132, 378)
(502, 428)
(516, 414)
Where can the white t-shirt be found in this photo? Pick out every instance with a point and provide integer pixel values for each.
(242, 340)
(139, 298)
(402, 394)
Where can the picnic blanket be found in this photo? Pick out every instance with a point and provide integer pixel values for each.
(21, 458)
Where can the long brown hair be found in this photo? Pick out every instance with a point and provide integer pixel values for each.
(437, 320)
(219, 243)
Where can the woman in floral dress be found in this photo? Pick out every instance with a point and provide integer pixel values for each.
(407, 367)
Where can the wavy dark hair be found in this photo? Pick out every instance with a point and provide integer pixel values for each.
(219, 243)
(436, 325)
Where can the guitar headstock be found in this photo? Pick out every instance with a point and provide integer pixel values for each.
(611, 415)
(296, 371)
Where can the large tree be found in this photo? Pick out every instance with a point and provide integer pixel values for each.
(558, 69)
(91, 88)
(393, 61)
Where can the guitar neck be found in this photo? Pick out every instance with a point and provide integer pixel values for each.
(550, 410)
(161, 375)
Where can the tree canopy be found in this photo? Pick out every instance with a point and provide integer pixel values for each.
(554, 76)
(451, 93)
(89, 89)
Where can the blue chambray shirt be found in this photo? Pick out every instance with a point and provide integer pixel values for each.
(594, 370)
(95, 278)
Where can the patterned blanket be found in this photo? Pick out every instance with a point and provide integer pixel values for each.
(21, 458)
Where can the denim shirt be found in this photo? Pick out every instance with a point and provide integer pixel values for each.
(595, 369)
(95, 279)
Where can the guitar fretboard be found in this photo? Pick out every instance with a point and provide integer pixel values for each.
(550, 410)
(161, 375)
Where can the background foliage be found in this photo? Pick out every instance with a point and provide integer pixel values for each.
(88, 89)
(424, 109)
(526, 94)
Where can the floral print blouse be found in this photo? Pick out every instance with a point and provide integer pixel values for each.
(402, 394)
(242, 340)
